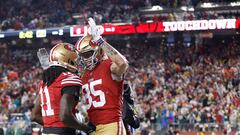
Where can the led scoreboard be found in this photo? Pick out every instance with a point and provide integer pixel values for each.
(127, 28)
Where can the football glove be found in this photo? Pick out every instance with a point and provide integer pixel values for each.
(96, 35)
(92, 127)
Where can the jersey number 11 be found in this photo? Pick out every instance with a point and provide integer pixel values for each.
(46, 101)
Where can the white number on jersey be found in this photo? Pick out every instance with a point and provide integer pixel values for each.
(89, 89)
(49, 111)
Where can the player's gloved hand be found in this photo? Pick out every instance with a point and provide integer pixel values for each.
(136, 122)
(92, 127)
(96, 35)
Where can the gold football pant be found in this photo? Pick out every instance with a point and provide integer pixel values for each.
(115, 128)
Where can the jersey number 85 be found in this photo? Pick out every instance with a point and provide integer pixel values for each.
(89, 89)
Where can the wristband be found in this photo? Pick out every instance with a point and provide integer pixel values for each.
(99, 42)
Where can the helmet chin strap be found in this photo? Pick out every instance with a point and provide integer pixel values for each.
(94, 61)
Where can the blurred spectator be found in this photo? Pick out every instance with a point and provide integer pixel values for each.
(40, 14)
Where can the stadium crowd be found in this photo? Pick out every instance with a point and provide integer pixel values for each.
(19, 78)
(44, 14)
(172, 84)
(188, 86)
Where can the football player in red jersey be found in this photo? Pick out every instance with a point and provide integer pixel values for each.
(102, 81)
(59, 92)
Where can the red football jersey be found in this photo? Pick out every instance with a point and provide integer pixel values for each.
(51, 96)
(102, 94)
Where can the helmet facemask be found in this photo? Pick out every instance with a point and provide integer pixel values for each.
(90, 58)
(89, 53)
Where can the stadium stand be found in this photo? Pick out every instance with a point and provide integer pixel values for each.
(44, 14)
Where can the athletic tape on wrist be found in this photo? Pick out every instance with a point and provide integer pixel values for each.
(99, 42)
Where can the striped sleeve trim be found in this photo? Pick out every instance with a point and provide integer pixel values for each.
(72, 80)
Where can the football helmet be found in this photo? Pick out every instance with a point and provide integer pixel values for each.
(90, 53)
(64, 55)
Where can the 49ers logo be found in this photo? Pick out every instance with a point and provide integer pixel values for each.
(69, 47)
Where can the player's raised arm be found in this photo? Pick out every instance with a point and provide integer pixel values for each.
(36, 112)
(120, 63)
